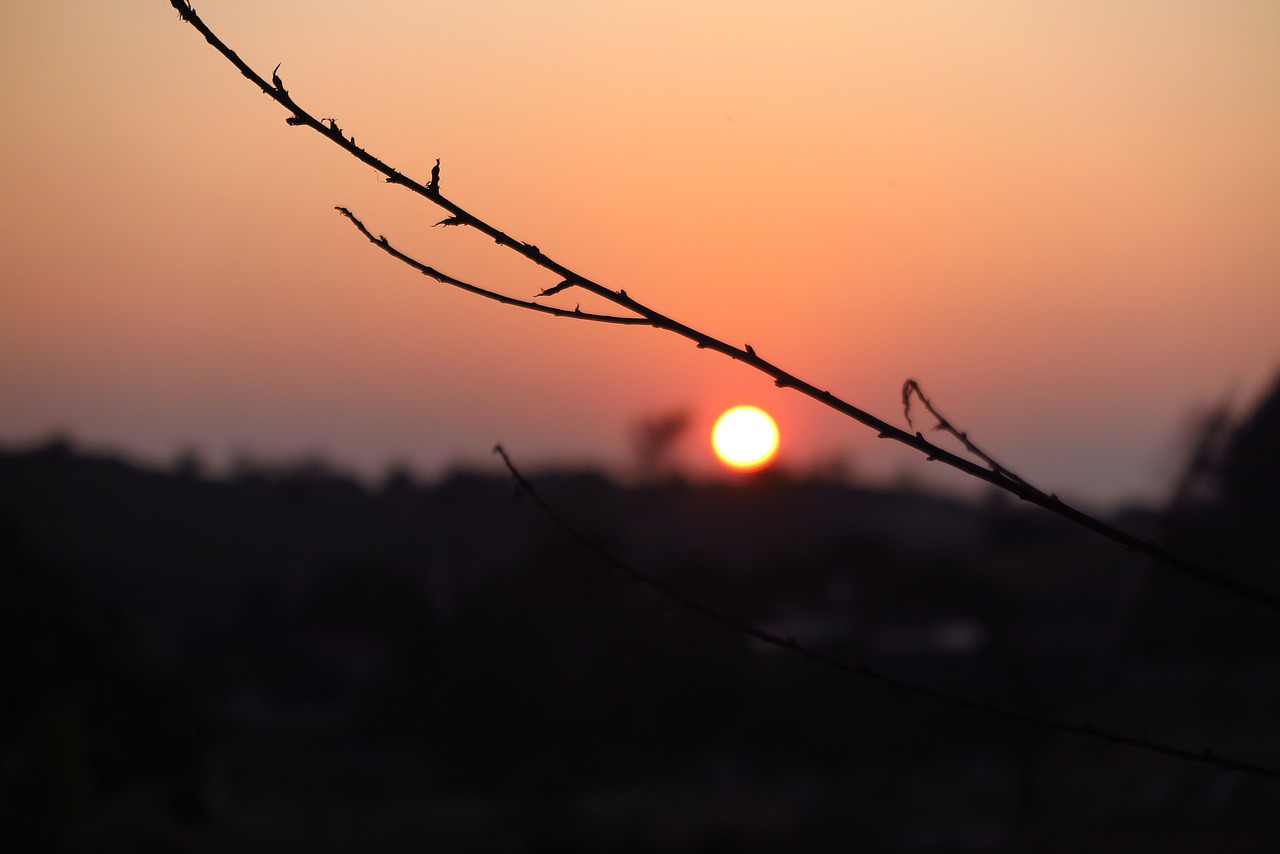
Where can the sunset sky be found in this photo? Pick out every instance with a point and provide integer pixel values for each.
(1062, 218)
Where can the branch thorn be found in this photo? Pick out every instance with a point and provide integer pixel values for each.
(555, 289)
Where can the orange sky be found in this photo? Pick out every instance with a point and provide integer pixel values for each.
(1060, 217)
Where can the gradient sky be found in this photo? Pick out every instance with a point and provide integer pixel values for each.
(1062, 218)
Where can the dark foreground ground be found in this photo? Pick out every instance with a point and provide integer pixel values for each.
(288, 660)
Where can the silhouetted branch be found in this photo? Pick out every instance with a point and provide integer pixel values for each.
(381, 243)
(864, 671)
(911, 387)
(782, 379)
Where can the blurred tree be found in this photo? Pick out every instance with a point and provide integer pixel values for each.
(655, 439)
(1250, 473)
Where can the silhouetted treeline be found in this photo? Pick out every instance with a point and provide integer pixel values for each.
(286, 658)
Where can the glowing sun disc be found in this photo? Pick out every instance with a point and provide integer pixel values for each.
(745, 438)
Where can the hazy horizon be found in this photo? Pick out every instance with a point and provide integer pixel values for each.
(1060, 219)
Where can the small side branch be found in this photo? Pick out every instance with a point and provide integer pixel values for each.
(385, 246)
(864, 671)
(910, 388)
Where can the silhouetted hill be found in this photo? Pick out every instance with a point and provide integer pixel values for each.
(289, 658)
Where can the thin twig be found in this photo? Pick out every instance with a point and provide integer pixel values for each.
(329, 129)
(382, 243)
(864, 671)
(911, 387)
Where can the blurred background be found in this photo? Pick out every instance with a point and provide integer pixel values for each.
(287, 659)
(263, 586)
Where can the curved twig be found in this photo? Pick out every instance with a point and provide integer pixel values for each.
(382, 243)
(864, 671)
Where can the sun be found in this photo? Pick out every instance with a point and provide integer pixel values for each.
(745, 438)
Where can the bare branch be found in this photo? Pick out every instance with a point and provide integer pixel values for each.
(381, 243)
(782, 379)
(911, 387)
(864, 671)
